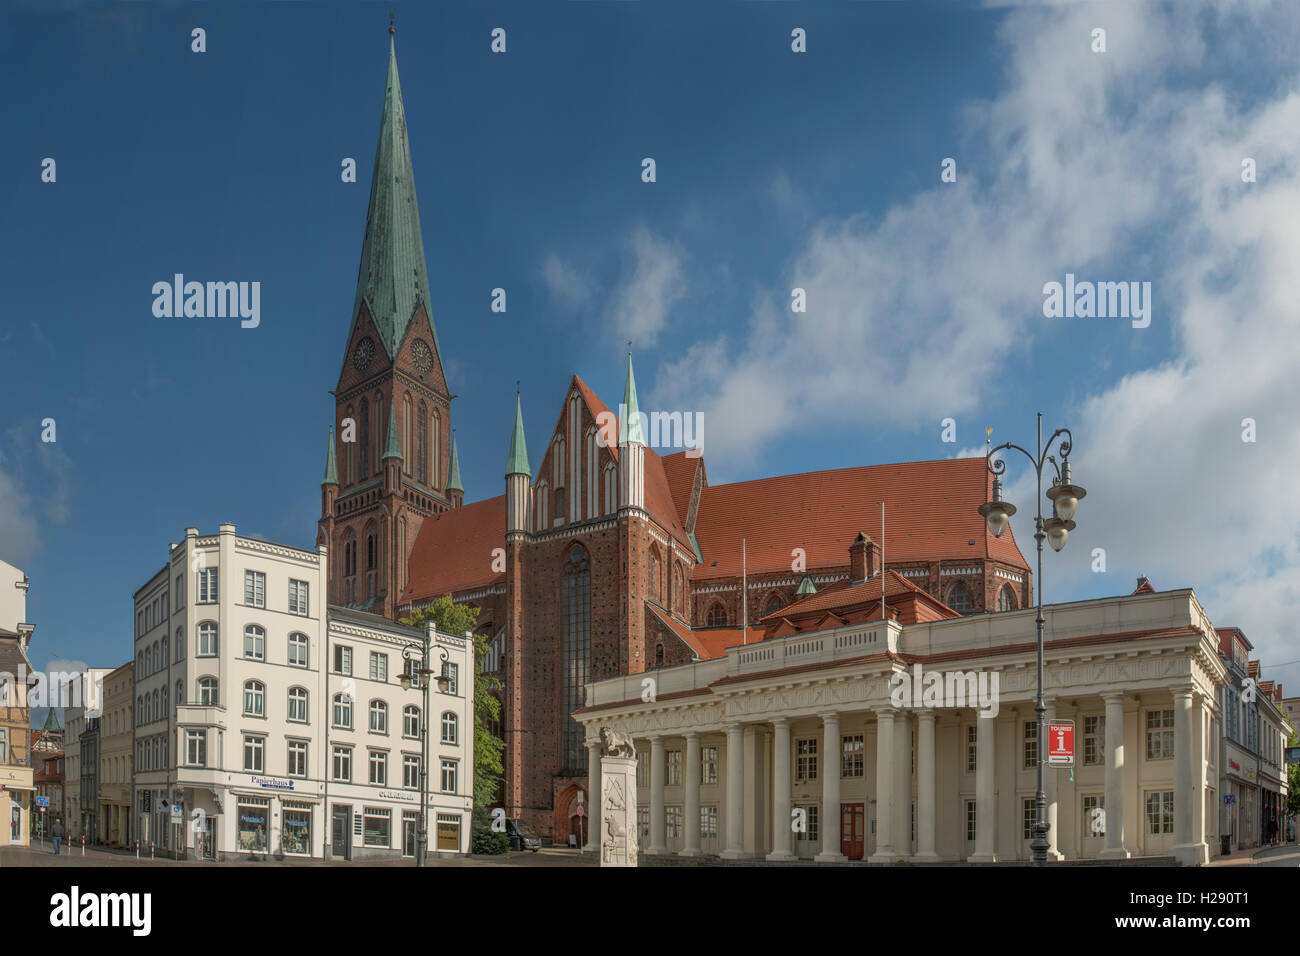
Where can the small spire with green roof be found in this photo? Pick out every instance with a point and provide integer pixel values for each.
(453, 468)
(630, 427)
(517, 461)
(331, 466)
(394, 449)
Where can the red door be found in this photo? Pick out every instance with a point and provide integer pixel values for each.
(851, 830)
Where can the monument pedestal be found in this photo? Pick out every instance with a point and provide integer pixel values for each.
(617, 820)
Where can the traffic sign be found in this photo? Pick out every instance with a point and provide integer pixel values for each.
(580, 809)
(1060, 743)
(42, 802)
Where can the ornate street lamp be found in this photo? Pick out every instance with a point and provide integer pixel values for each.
(410, 674)
(1064, 495)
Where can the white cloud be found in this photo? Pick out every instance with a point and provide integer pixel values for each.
(17, 521)
(569, 287)
(911, 314)
(647, 296)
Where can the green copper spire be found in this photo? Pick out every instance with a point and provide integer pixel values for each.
(331, 467)
(630, 427)
(394, 449)
(453, 469)
(806, 587)
(51, 721)
(393, 275)
(517, 462)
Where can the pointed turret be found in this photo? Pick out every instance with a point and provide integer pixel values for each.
(455, 490)
(806, 587)
(630, 429)
(331, 465)
(519, 478)
(517, 460)
(394, 449)
(393, 276)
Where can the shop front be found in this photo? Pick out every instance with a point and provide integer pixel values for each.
(16, 790)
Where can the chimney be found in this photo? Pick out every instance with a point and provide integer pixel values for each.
(863, 558)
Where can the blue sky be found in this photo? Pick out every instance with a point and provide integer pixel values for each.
(775, 170)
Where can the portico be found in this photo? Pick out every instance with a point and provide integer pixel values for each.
(792, 748)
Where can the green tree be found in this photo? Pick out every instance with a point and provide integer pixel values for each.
(1293, 780)
(452, 618)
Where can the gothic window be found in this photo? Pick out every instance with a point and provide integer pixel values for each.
(677, 589)
(1006, 599)
(774, 604)
(421, 458)
(659, 655)
(717, 615)
(559, 504)
(363, 439)
(371, 549)
(435, 477)
(411, 425)
(959, 599)
(654, 576)
(611, 489)
(576, 651)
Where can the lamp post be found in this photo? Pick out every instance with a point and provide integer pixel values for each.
(411, 673)
(1064, 495)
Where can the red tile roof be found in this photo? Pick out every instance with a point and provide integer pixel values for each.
(680, 471)
(453, 551)
(710, 642)
(830, 606)
(931, 513)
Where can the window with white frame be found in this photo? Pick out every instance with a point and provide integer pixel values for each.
(809, 832)
(1160, 811)
(450, 728)
(208, 692)
(708, 823)
(377, 824)
(674, 762)
(449, 775)
(643, 822)
(297, 758)
(342, 764)
(254, 753)
(343, 711)
(708, 764)
(673, 822)
(255, 589)
(342, 659)
(378, 717)
(970, 821)
(1094, 739)
(196, 748)
(297, 597)
(298, 650)
(298, 704)
(971, 749)
(378, 666)
(254, 698)
(1028, 817)
(379, 767)
(805, 760)
(207, 585)
(453, 672)
(410, 771)
(255, 643)
(207, 639)
(1031, 743)
(1160, 734)
(410, 721)
(852, 760)
(180, 591)
(1094, 815)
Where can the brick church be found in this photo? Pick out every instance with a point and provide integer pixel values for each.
(607, 558)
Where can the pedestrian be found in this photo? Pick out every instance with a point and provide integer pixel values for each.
(1272, 831)
(57, 833)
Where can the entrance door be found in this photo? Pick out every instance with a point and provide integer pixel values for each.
(852, 832)
(578, 829)
(410, 824)
(341, 832)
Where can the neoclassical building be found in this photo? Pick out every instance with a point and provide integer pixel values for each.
(792, 746)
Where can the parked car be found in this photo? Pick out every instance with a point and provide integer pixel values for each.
(522, 836)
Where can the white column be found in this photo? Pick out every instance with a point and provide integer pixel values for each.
(986, 807)
(735, 793)
(657, 774)
(781, 832)
(1114, 809)
(903, 783)
(692, 809)
(1049, 784)
(592, 809)
(1186, 793)
(925, 788)
(884, 787)
(830, 809)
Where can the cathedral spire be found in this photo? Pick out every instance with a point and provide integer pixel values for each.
(393, 277)
(517, 462)
(453, 469)
(331, 466)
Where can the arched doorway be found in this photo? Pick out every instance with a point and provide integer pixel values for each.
(567, 821)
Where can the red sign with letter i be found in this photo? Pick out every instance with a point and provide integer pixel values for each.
(1060, 743)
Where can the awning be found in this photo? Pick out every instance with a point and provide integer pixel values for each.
(15, 786)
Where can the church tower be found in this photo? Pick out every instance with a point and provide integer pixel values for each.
(392, 465)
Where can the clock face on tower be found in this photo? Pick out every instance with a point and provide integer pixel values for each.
(363, 354)
(422, 356)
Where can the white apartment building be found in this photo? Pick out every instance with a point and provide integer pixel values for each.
(732, 748)
(255, 734)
